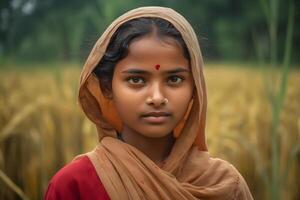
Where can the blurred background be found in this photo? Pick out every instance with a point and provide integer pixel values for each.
(251, 51)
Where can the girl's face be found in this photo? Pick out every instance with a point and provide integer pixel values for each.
(154, 70)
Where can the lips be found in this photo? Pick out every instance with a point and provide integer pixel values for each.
(156, 114)
(156, 117)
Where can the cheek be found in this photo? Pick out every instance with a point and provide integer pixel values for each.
(120, 90)
(125, 99)
(180, 99)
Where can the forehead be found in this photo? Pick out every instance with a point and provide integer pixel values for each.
(150, 51)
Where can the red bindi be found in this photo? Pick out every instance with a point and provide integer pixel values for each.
(157, 67)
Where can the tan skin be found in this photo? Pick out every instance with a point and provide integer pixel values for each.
(139, 86)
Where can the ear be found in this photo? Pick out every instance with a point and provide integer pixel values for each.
(107, 94)
(110, 96)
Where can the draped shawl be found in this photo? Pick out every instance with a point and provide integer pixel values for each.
(189, 172)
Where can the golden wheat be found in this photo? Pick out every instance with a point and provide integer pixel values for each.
(42, 127)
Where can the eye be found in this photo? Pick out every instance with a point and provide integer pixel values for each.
(135, 80)
(174, 80)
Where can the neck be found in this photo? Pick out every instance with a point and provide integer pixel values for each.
(157, 149)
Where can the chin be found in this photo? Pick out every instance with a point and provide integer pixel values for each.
(156, 132)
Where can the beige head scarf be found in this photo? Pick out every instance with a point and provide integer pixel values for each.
(188, 172)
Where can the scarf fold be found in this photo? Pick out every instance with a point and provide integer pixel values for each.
(188, 172)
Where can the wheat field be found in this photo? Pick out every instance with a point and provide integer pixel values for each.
(42, 128)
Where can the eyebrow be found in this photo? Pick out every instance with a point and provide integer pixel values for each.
(139, 71)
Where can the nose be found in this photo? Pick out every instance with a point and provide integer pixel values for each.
(156, 97)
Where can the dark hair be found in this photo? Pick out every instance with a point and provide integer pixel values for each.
(119, 43)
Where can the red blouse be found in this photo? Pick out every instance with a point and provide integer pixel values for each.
(78, 180)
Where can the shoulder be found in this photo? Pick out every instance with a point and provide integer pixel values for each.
(74, 171)
(240, 188)
(76, 180)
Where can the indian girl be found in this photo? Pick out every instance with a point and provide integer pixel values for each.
(143, 88)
